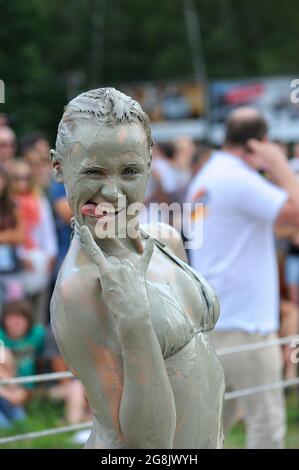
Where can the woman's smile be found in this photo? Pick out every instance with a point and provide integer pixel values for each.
(103, 212)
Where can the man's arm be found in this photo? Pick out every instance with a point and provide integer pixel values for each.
(270, 157)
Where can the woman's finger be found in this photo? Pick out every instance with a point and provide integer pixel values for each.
(92, 248)
(146, 256)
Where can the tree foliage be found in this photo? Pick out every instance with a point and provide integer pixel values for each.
(51, 50)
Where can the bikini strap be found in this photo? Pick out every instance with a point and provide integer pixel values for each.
(211, 303)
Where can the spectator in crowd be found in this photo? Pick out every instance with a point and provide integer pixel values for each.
(7, 146)
(70, 391)
(185, 149)
(4, 121)
(39, 250)
(200, 157)
(154, 191)
(22, 336)
(63, 215)
(289, 311)
(294, 162)
(289, 322)
(35, 141)
(43, 147)
(292, 255)
(174, 165)
(24, 343)
(40, 167)
(292, 268)
(155, 194)
(12, 397)
(11, 235)
(172, 169)
(238, 259)
(35, 149)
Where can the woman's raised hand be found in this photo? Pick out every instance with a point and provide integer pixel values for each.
(123, 283)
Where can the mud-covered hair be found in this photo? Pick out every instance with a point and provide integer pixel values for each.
(103, 106)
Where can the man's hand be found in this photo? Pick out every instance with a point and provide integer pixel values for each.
(269, 157)
(264, 155)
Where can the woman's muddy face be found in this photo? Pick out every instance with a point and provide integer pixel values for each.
(106, 172)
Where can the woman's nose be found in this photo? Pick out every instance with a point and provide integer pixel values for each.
(110, 192)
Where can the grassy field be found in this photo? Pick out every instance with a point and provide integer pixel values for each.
(236, 438)
(43, 414)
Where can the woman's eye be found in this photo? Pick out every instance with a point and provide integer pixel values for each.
(93, 172)
(129, 172)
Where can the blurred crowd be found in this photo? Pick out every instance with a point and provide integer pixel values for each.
(35, 233)
(34, 238)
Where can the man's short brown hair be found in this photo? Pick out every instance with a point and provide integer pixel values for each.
(243, 124)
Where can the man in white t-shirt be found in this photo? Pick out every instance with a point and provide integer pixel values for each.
(238, 258)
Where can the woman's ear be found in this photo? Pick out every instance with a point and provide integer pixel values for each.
(56, 164)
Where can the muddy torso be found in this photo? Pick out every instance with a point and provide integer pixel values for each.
(183, 309)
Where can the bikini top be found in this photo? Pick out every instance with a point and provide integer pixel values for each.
(174, 328)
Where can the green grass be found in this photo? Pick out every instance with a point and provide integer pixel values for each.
(236, 438)
(43, 414)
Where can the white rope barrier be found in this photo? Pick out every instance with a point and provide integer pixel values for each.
(46, 432)
(261, 388)
(37, 378)
(87, 425)
(259, 345)
(220, 352)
